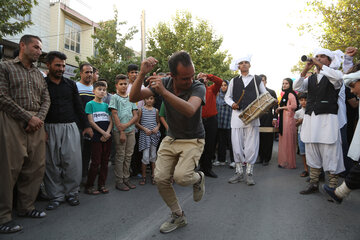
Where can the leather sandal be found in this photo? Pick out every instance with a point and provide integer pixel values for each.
(103, 189)
(304, 174)
(143, 181)
(53, 205)
(92, 191)
(73, 200)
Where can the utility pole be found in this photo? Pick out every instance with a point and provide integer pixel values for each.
(143, 51)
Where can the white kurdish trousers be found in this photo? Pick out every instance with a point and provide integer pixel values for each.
(245, 143)
(326, 156)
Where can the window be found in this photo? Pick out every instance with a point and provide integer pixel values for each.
(72, 36)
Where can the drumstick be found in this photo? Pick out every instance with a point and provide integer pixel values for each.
(241, 97)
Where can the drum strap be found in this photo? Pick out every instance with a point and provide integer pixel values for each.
(256, 88)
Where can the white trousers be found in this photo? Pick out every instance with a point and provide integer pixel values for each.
(245, 143)
(326, 156)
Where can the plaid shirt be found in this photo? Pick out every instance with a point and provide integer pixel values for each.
(224, 115)
(23, 92)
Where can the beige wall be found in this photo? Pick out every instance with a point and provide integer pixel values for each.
(57, 24)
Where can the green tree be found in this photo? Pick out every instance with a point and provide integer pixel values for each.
(199, 40)
(112, 55)
(339, 24)
(12, 9)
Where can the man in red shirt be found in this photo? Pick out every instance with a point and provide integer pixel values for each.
(210, 122)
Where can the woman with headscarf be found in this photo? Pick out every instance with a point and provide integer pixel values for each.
(287, 129)
(224, 128)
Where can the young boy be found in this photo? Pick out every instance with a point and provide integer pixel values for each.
(299, 116)
(101, 123)
(124, 115)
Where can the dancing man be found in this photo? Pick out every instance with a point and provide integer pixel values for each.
(180, 150)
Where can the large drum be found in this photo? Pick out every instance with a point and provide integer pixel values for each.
(258, 107)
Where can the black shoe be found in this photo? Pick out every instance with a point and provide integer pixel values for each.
(311, 188)
(265, 163)
(259, 162)
(210, 173)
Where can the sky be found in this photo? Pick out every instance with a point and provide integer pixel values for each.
(257, 27)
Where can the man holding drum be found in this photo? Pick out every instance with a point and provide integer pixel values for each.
(242, 91)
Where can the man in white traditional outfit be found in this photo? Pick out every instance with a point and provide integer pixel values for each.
(352, 180)
(320, 129)
(242, 91)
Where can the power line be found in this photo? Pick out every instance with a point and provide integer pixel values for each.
(49, 36)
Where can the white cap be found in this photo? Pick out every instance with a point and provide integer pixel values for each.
(351, 77)
(234, 66)
(337, 57)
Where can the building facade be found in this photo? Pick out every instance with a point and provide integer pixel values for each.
(60, 29)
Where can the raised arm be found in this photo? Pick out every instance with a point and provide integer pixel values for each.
(137, 93)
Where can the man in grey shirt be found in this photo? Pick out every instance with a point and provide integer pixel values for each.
(180, 151)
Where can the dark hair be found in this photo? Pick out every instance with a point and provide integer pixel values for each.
(179, 57)
(99, 84)
(103, 80)
(289, 80)
(95, 69)
(354, 68)
(83, 65)
(55, 54)
(28, 39)
(132, 67)
(302, 95)
(263, 76)
(120, 77)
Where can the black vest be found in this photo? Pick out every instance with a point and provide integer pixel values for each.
(250, 91)
(322, 97)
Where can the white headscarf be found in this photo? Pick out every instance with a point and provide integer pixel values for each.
(351, 77)
(337, 57)
(234, 66)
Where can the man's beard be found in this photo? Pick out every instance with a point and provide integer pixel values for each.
(55, 75)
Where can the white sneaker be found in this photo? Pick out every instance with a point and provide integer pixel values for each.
(232, 165)
(237, 178)
(222, 163)
(216, 163)
(250, 180)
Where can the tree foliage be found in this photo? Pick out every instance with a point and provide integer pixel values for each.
(339, 24)
(199, 40)
(113, 56)
(11, 9)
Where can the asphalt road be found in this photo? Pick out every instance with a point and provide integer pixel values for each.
(272, 209)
